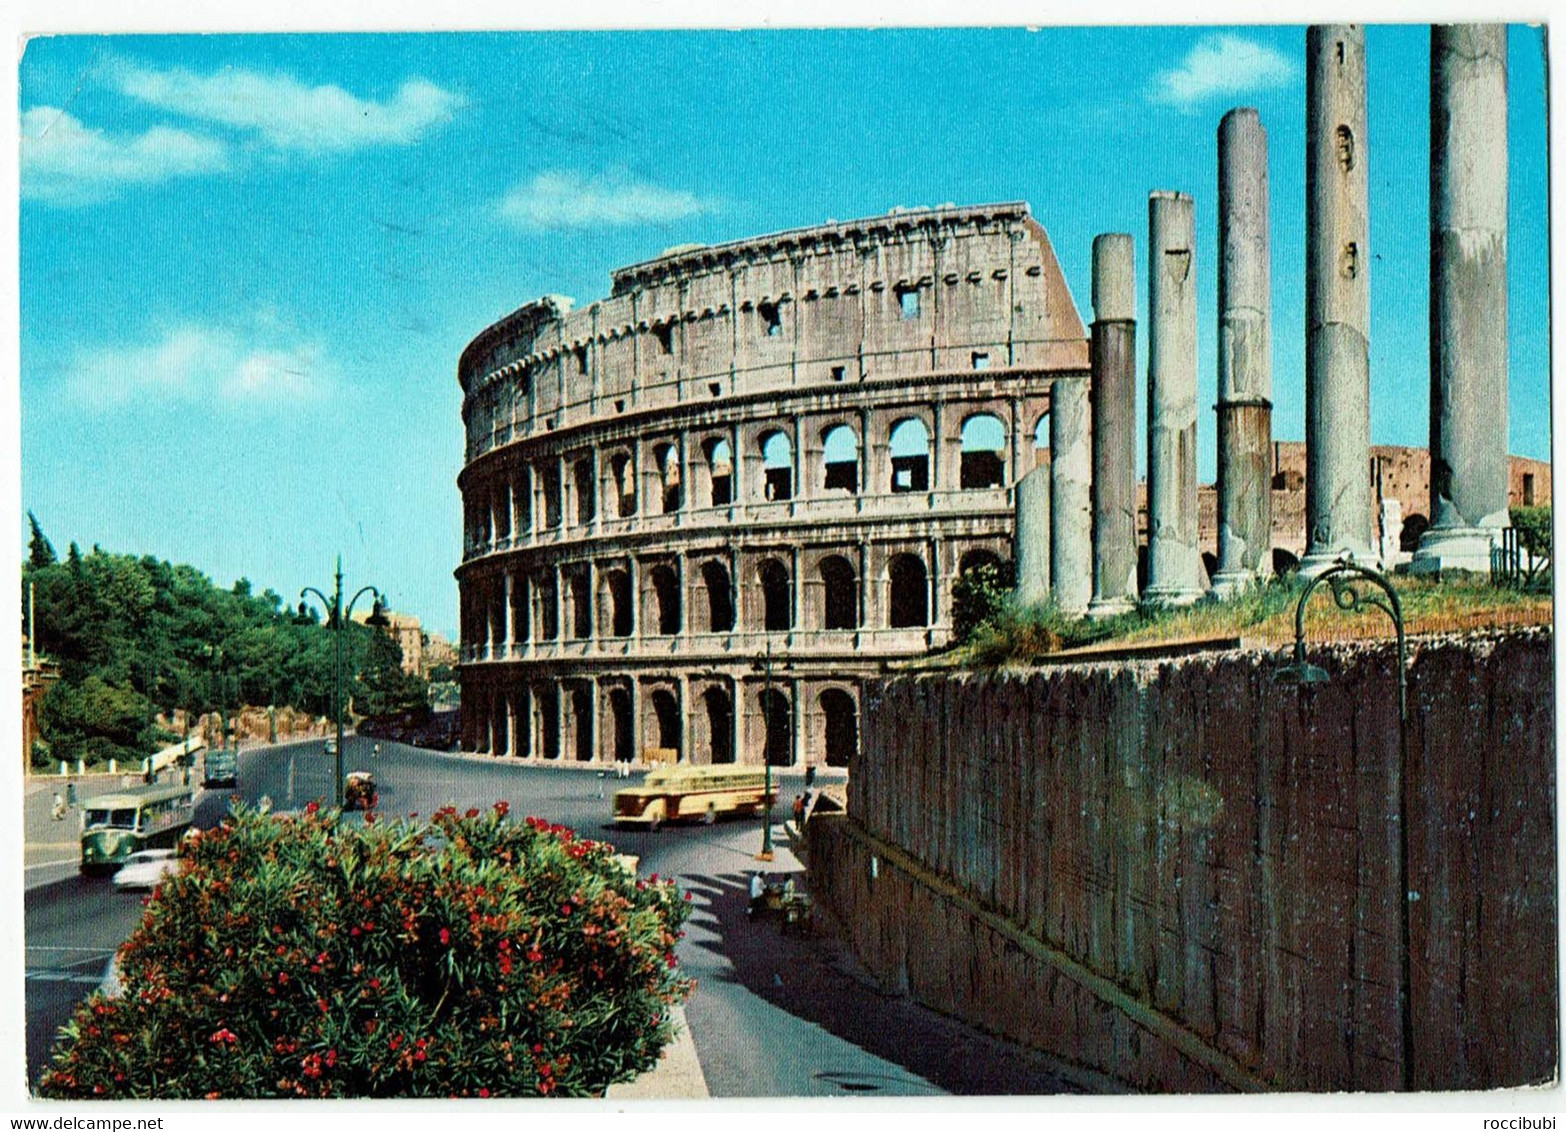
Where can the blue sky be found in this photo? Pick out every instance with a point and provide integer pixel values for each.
(248, 264)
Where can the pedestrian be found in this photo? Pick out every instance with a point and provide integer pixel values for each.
(59, 807)
(799, 811)
(756, 891)
(375, 751)
(810, 777)
(70, 793)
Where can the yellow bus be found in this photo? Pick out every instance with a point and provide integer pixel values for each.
(147, 817)
(677, 793)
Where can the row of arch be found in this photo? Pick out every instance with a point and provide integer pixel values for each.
(535, 494)
(578, 601)
(615, 719)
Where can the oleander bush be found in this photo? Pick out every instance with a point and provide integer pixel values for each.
(466, 955)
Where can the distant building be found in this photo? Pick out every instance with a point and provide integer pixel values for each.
(1399, 493)
(404, 628)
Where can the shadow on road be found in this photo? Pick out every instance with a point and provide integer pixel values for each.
(812, 976)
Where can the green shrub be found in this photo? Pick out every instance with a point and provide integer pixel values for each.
(463, 956)
(1533, 529)
(979, 597)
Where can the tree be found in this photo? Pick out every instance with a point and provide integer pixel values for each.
(978, 598)
(40, 552)
(467, 956)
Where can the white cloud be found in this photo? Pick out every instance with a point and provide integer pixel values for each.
(1221, 64)
(66, 163)
(287, 113)
(564, 198)
(196, 363)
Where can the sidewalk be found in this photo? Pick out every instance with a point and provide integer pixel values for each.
(677, 1076)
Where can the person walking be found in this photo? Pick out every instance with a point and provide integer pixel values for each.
(58, 809)
(757, 888)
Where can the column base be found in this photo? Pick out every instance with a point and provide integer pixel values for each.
(1100, 608)
(1232, 583)
(1318, 562)
(1454, 548)
(1170, 596)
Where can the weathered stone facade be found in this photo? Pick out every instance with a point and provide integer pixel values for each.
(795, 443)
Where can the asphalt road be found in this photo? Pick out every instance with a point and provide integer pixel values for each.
(771, 1015)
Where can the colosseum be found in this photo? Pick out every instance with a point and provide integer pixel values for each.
(700, 512)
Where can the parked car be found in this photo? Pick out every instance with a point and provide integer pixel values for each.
(146, 869)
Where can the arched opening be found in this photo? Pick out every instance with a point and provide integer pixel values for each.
(777, 467)
(1209, 563)
(720, 463)
(581, 606)
(840, 459)
(586, 491)
(520, 621)
(501, 730)
(666, 717)
(840, 599)
(720, 597)
(840, 727)
(778, 727)
(910, 450)
(548, 607)
(666, 596)
(1283, 562)
(720, 725)
(1041, 448)
(1413, 528)
(549, 484)
(667, 459)
(910, 597)
(582, 724)
(624, 484)
(522, 500)
(983, 453)
(620, 717)
(776, 596)
(619, 586)
(546, 713)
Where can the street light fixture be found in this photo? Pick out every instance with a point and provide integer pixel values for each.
(336, 614)
(1349, 582)
(764, 665)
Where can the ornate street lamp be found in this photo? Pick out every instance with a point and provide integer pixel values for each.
(1347, 582)
(336, 614)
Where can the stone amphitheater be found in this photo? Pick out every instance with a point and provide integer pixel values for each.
(699, 513)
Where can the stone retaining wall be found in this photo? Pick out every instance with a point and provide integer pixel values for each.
(1186, 874)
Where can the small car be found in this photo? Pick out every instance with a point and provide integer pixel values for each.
(147, 868)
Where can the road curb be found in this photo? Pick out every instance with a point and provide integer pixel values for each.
(677, 1076)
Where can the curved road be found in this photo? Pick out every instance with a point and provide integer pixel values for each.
(771, 1015)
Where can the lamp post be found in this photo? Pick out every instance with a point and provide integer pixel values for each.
(764, 665)
(1345, 579)
(337, 613)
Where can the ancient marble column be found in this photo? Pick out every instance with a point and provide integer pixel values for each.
(1112, 399)
(1173, 561)
(1071, 502)
(1337, 301)
(1031, 543)
(1469, 470)
(1244, 355)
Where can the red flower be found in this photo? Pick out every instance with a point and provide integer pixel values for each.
(225, 1035)
(445, 937)
(313, 808)
(502, 807)
(534, 955)
(483, 1092)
